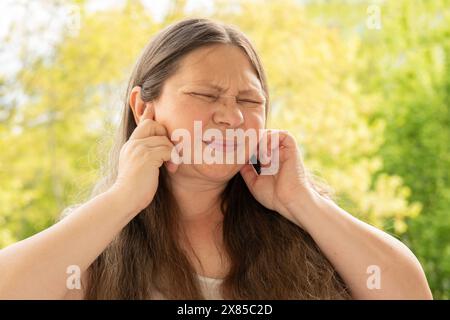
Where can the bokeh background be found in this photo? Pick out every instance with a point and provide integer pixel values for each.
(363, 85)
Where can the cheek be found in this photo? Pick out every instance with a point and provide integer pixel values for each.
(186, 121)
(254, 120)
(181, 113)
(179, 116)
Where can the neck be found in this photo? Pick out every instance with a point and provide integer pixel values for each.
(201, 222)
(198, 199)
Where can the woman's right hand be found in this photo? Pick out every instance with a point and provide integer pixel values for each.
(140, 159)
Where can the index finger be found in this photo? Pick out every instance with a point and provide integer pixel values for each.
(147, 114)
(148, 126)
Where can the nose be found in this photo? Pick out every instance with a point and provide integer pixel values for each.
(228, 112)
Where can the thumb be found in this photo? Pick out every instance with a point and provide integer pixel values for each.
(170, 166)
(249, 174)
(174, 162)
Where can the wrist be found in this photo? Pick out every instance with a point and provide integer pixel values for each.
(303, 205)
(120, 200)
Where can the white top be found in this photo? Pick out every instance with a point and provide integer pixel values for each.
(210, 288)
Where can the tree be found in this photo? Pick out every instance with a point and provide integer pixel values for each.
(318, 77)
(407, 65)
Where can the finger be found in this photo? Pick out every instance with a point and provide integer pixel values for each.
(155, 141)
(141, 131)
(286, 140)
(269, 143)
(263, 150)
(170, 166)
(159, 153)
(147, 128)
(156, 129)
(249, 174)
(147, 114)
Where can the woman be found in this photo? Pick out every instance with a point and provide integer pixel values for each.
(159, 228)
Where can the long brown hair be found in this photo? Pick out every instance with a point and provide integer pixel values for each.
(270, 257)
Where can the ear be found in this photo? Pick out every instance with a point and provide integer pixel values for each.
(138, 105)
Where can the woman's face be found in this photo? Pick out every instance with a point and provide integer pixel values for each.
(191, 95)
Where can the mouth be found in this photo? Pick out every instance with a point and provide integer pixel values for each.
(222, 145)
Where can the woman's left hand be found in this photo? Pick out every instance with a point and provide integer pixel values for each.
(288, 184)
(289, 192)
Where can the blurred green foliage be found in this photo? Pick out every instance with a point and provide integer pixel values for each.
(408, 66)
(370, 108)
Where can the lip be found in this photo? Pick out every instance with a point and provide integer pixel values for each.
(222, 144)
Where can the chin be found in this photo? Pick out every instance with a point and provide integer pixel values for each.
(216, 172)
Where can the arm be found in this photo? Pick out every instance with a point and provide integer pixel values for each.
(352, 246)
(36, 267)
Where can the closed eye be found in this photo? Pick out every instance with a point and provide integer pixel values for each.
(204, 95)
(249, 101)
(214, 98)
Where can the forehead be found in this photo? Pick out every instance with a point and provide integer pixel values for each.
(225, 66)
